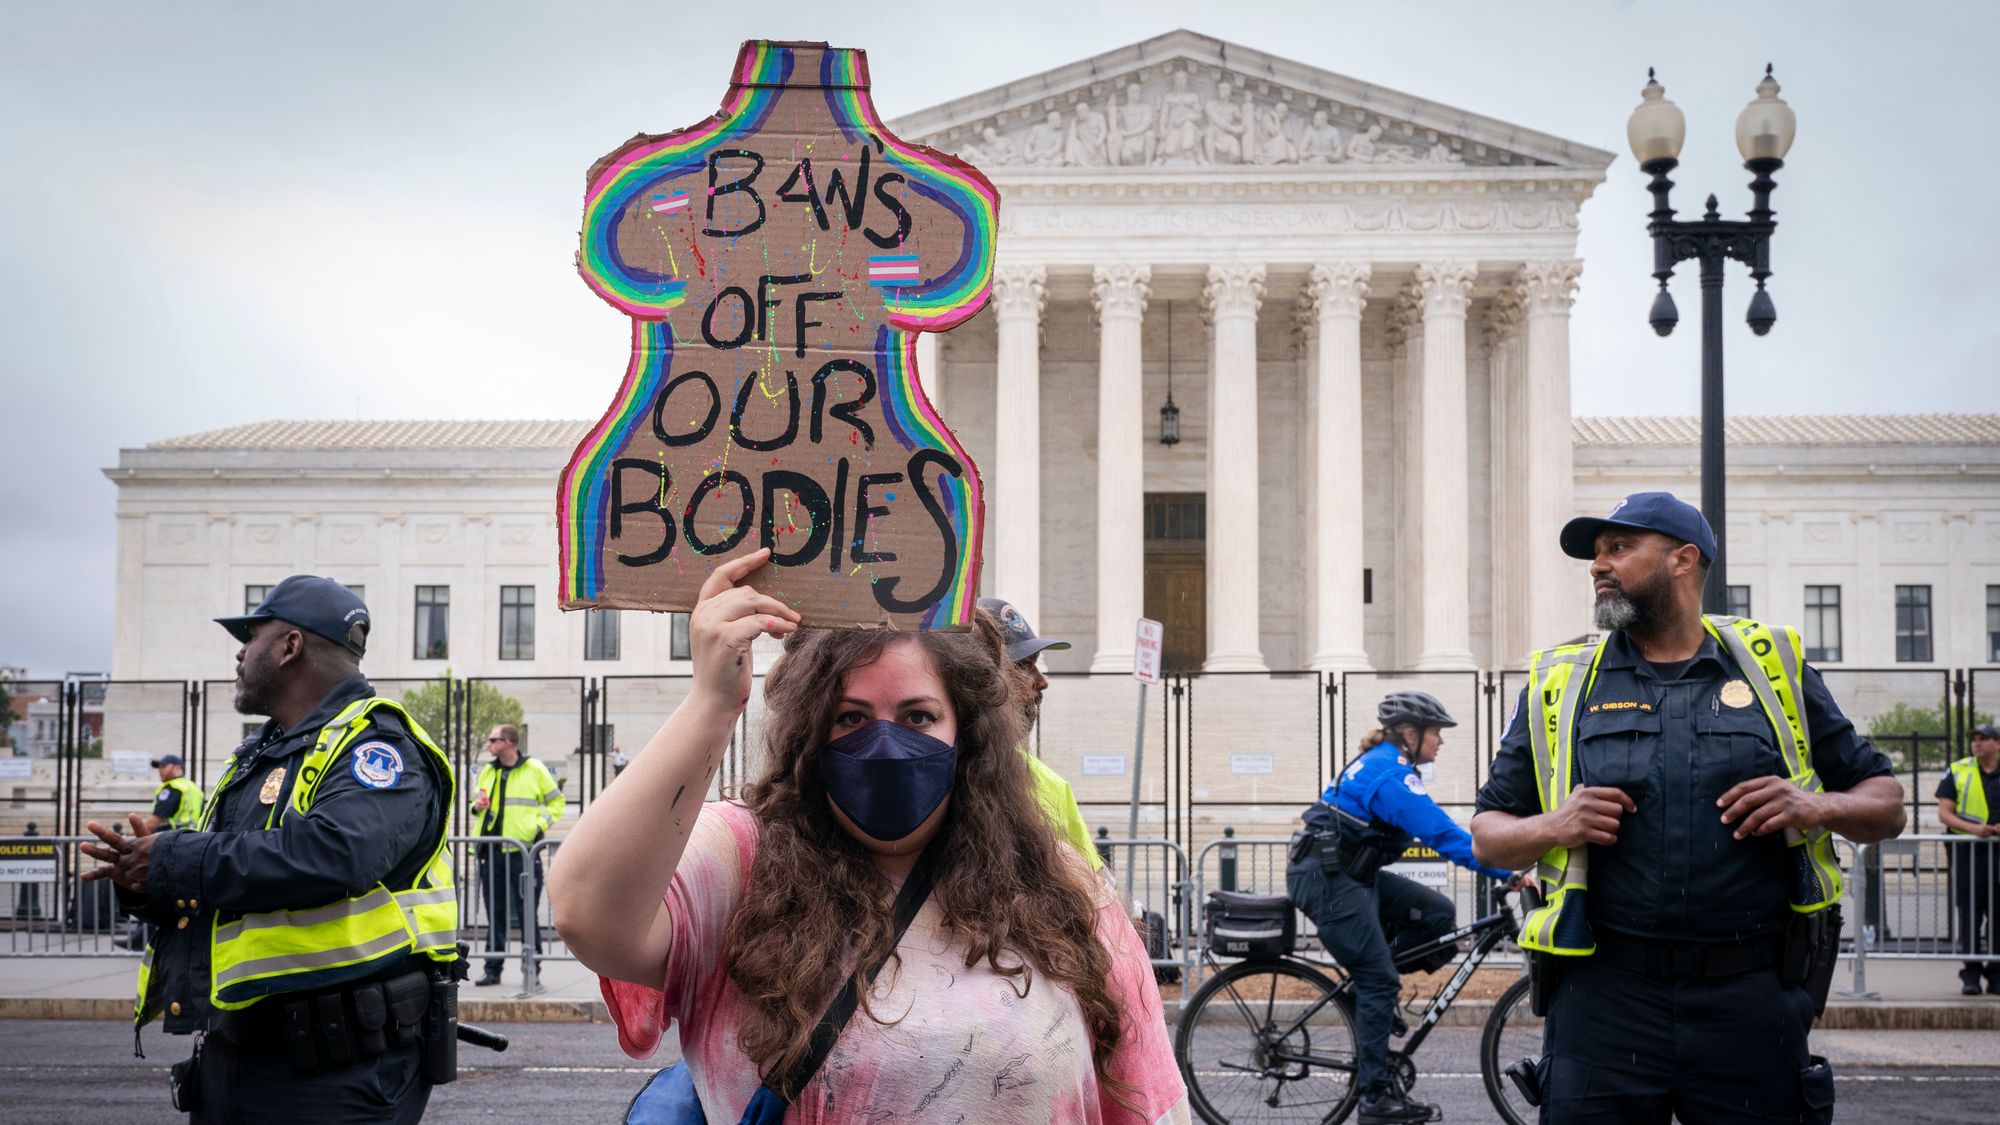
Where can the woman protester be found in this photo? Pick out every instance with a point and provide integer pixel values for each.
(1018, 992)
(1366, 915)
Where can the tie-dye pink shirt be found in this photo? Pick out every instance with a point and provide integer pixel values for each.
(962, 1046)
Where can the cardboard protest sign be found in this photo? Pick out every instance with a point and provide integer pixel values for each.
(777, 261)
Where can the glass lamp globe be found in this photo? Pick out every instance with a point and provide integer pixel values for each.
(1765, 129)
(1657, 128)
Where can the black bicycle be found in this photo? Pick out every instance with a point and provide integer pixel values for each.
(1273, 1040)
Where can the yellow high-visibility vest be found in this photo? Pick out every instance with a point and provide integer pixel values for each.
(1971, 803)
(188, 814)
(252, 956)
(531, 804)
(1772, 662)
(1058, 803)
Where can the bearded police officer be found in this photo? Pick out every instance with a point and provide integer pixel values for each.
(1677, 783)
(306, 929)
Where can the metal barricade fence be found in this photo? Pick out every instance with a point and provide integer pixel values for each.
(49, 910)
(1924, 898)
(1152, 879)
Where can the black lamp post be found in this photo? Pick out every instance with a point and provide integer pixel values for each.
(1764, 134)
(1170, 415)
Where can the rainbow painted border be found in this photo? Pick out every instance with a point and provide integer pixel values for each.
(936, 304)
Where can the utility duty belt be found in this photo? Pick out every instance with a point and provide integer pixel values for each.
(337, 1027)
(1351, 848)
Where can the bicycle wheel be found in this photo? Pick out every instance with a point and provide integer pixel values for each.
(1267, 1041)
(1513, 1032)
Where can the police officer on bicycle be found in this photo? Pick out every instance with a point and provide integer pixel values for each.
(1365, 915)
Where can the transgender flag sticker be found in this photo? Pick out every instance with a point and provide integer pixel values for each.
(893, 269)
(668, 203)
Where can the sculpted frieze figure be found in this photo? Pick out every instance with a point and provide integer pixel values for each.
(1047, 140)
(1180, 124)
(1226, 139)
(991, 149)
(1089, 139)
(1274, 144)
(1441, 154)
(1366, 148)
(1132, 129)
(1321, 144)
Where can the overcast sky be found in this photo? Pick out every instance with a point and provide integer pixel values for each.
(215, 214)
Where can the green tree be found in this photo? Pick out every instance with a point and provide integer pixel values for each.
(1926, 729)
(486, 706)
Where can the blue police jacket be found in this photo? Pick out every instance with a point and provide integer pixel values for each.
(1387, 792)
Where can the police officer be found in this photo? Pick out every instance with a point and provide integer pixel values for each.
(177, 802)
(518, 798)
(1367, 916)
(303, 927)
(1677, 783)
(1968, 797)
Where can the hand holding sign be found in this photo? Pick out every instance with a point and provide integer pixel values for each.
(776, 261)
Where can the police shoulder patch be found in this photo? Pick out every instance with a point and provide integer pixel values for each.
(377, 765)
(1415, 785)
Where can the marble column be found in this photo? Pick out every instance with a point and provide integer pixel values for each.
(1334, 512)
(1507, 387)
(1556, 584)
(1446, 638)
(1119, 296)
(1019, 293)
(1235, 626)
(930, 352)
(1405, 580)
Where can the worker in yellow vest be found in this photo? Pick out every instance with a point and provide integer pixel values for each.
(177, 802)
(1676, 785)
(307, 924)
(1057, 799)
(1968, 796)
(516, 797)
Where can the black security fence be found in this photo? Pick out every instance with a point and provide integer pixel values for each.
(1242, 751)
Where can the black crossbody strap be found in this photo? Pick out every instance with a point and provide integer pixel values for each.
(909, 900)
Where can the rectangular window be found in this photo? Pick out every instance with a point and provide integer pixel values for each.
(600, 634)
(253, 595)
(1738, 598)
(1913, 624)
(517, 622)
(1993, 624)
(433, 634)
(1367, 586)
(680, 637)
(1822, 624)
(358, 591)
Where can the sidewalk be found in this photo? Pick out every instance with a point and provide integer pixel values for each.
(1908, 995)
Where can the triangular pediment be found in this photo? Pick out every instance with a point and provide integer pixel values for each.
(1188, 101)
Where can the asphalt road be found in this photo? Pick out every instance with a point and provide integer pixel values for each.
(83, 1072)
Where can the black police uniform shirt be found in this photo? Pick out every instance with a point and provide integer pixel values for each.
(167, 803)
(359, 832)
(1947, 789)
(1675, 746)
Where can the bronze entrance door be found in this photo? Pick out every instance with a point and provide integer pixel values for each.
(1177, 575)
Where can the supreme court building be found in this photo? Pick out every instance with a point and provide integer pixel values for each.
(1358, 303)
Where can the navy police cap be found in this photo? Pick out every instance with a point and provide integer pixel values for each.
(317, 605)
(1644, 511)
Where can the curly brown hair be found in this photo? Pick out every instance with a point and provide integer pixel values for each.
(815, 900)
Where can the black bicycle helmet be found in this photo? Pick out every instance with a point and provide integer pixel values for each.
(1417, 707)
